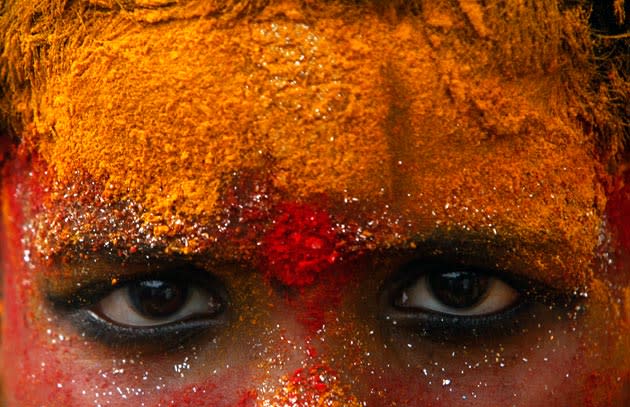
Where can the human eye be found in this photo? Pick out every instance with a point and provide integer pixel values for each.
(151, 310)
(451, 301)
(457, 291)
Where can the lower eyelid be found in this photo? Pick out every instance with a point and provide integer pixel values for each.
(92, 326)
(443, 327)
(528, 315)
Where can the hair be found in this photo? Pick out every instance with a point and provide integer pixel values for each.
(34, 31)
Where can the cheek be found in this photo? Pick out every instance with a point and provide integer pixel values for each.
(493, 377)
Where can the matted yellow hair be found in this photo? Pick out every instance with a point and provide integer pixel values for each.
(33, 34)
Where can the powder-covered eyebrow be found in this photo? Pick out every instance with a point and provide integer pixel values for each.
(527, 256)
(524, 253)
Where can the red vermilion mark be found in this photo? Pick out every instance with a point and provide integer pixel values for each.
(300, 245)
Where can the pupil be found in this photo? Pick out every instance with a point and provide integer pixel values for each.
(458, 289)
(157, 298)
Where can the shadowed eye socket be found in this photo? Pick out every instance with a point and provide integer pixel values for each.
(455, 302)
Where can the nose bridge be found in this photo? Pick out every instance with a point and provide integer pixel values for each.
(302, 258)
(305, 372)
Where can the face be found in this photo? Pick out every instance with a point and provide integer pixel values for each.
(309, 204)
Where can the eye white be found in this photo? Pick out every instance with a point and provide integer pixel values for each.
(119, 309)
(497, 297)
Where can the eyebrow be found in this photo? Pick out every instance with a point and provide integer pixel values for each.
(525, 255)
(530, 255)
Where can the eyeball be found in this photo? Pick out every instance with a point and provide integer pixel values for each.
(457, 293)
(152, 303)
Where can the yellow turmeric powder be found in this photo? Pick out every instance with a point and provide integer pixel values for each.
(195, 126)
(111, 94)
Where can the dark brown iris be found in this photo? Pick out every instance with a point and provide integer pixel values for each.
(458, 289)
(158, 298)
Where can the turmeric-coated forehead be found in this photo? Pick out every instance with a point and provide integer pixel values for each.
(317, 181)
(171, 125)
(157, 129)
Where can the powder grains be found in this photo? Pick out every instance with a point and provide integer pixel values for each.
(333, 100)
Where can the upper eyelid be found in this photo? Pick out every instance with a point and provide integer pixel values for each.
(90, 293)
(485, 250)
(479, 257)
(497, 255)
(530, 288)
(82, 270)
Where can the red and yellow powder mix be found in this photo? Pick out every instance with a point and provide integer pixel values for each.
(402, 115)
(300, 245)
(314, 386)
(335, 100)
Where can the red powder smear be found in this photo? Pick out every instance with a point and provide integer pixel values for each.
(311, 352)
(300, 245)
(25, 173)
(312, 379)
(191, 396)
(228, 389)
(26, 354)
(618, 210)
(248, 399)
(315, 304)
(603, 389)
(207, 394)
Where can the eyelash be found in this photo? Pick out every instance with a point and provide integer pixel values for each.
(440, 327)
(78, 307)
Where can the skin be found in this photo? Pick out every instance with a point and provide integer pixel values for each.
(425, 150)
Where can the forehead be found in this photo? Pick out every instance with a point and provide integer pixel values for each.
(332, 103)
(413, 117)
